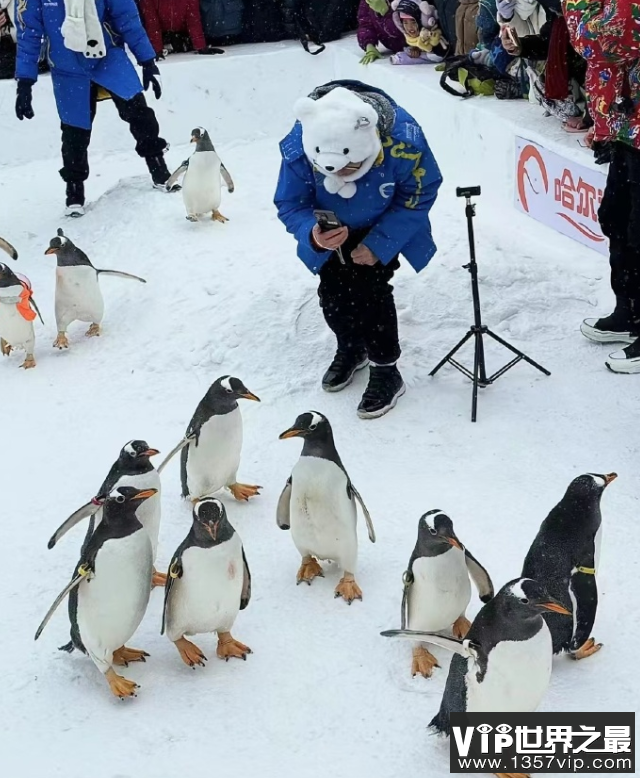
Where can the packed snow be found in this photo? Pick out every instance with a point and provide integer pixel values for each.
(323, 692)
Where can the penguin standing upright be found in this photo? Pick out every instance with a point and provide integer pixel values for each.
(564, 557)
(201, 187)
(78, 295)
(211, 447)
(133, 467)
(17, 312)
(113, 580)
(318, 504)
(437, 590)
(208, 584)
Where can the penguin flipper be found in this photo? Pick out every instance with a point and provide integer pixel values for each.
(184, 442)
(365, 511)
(465, 647)
(120, 274)
(584, 587)
(480, 576)
(6, 246)
(283, 512)
(246, 583)
(227, 178)
(175, 571)
(85, 512)
(75, 581)
(32, 301)
(175, 176)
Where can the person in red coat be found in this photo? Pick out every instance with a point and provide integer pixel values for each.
(175, 16)
(606, 35)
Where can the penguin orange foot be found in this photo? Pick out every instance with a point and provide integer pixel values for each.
(120, 687)
(61, 341)
(244, 491)
(423, 662)
(190, 653)
(588, 648)
(93, 331)
(158, 579)
(460, 627)
(5, 347)
(122, 656)
(229, 647)
(309, 569)
(348, 589)
(216, 216)
(29, 361)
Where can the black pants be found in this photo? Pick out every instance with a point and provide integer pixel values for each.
(357, 302)
(619, 217)
(142, 124)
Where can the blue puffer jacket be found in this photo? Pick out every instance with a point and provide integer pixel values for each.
(393, 199)
(71, 72)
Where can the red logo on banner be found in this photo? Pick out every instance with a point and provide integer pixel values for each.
(528, 153)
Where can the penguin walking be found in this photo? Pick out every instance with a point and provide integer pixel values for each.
(437, 590)
(8, 248)
(113, 581)
(133, 467)
(318, 504)
(17, 313)
(212, 445)
(201, 187)
(208, 584)
(564, 557)
(78, 295)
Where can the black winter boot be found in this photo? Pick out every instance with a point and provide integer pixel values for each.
(342, 370)
(75, 199)
(614, 328)
(159, 173)
(385, 388)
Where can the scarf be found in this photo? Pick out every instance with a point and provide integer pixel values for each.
(82, 29)
(556, 79)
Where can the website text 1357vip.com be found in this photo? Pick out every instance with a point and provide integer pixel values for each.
(525, 763)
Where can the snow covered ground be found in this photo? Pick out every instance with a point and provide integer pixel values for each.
(323, 693)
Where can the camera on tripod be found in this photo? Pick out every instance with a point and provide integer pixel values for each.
(468, 191)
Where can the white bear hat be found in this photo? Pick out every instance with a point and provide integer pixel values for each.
(339, 130)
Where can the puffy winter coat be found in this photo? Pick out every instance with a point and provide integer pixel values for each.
(487, 21)
(71, 72)
(466, 27)
(374, 29)
(161, 16)
(528, 18)
(605, 33)
(222, 18)
(393, 199)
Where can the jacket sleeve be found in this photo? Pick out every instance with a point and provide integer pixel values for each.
(194, 25)
(295, 201)
(367, 35)
(417, 184)
(126, 21)
(151, 22)
(29, 35)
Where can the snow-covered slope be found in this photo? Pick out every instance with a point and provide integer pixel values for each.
(323, 692)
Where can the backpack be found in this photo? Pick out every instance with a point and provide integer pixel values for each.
(471, 77)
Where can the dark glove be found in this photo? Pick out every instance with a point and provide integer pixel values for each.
(151, 77)
(161, 55)
(24, 109)
(210, 50)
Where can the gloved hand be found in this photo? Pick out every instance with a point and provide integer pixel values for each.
(506, 8)
(161, 55)
(151, 77)
(371, 55)
(24, 109)
(210, 50)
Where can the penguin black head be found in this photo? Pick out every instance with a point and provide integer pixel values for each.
(527, 598)
(137, 449)
(226, 391)
(436, 534)
(128, 496)
(67, 253)
(311, 426)
(201, 138)
(210, 524)
(7, 276)
(589, 486)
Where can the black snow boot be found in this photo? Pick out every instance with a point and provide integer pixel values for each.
(385, 388)
(159, 173)
(75, 198)
(341, 371)
(614, 328)
(627, 360)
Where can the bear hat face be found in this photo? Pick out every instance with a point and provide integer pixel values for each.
(339, 130)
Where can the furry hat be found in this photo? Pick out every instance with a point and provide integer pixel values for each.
(421, 11)
(339, 129)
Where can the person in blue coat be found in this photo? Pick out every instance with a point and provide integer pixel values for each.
(85, 48)
(356, 153)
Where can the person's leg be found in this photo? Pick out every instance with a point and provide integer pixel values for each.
(75, 160)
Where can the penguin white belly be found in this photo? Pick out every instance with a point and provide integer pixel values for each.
(517, 677)
(213, 463)
(598, 547)
(14, 328)
(207, 597)
(112, 604)
(201, 187)
(323, 518)
(78, 296)
(440, 592)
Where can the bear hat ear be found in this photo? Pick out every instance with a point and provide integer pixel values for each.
(304, 108)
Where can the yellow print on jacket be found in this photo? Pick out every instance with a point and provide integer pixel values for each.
(398, 151)
(21, 7)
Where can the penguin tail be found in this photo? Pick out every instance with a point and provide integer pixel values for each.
(68, 647)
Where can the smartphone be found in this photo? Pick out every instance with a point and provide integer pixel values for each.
(513, 37)
(327, 220)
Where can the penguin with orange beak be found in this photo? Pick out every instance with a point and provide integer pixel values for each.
(437, 590)
(564, 557)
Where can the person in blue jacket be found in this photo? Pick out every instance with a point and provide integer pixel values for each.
(85, 48)
(354, 152)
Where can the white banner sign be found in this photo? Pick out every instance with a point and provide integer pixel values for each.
(560, 193)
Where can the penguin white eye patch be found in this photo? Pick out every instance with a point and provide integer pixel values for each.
(599, 481)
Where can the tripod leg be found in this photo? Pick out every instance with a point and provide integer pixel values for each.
(451, 353)
(518, 352)
(476, 375)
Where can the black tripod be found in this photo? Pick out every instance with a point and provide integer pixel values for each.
(479, 375)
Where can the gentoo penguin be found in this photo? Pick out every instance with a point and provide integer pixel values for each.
(212, 444)
(318, 504)
(208, 584)
(6, 246)
(437, 590)
(504, 663)
(201, 188)
(17, 312)
(78, 295)
(133, 467)
(564, 557)
(113, 581)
